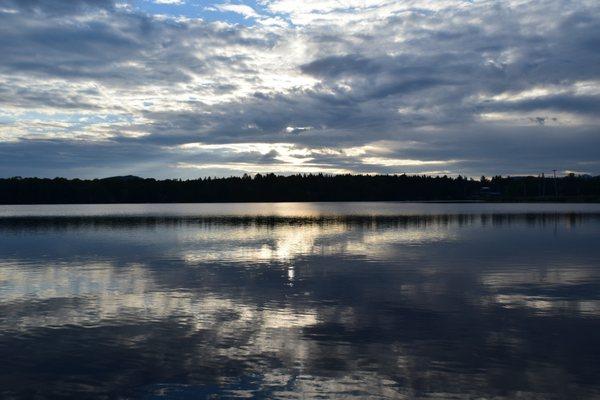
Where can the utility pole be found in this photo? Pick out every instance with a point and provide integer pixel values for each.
(555, 185)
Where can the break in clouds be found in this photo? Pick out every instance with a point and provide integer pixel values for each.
(184, 88)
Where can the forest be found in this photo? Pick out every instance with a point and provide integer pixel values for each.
(301, 187)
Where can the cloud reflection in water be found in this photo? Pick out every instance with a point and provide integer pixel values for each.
(419, 307)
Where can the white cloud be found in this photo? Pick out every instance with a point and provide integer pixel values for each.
(175, 2)
(246, 11)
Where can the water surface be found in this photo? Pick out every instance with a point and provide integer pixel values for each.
(300, 300)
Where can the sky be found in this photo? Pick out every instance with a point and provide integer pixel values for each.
(195, 88)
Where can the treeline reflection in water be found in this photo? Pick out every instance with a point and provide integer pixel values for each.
(371, 221)
(434, 306)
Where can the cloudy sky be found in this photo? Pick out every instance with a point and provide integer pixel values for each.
(188, 88)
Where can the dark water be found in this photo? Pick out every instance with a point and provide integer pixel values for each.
(416, 301)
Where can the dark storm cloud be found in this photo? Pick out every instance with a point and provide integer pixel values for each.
(22, 96)
(60, 7)
(569, 103)
(114, 47)
(333, 66)
(509, 150)
(73, 158)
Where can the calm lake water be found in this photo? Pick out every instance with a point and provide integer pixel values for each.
(300, 300)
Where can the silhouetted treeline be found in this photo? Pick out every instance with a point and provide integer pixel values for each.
(270, 187)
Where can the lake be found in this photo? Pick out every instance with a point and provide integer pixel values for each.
(300, 300)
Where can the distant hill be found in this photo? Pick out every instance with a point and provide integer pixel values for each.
(319, 187)
(125, 178)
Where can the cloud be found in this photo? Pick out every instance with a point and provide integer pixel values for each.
(244, 10)
(482, 87)
(59, 7)
(177, 2)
